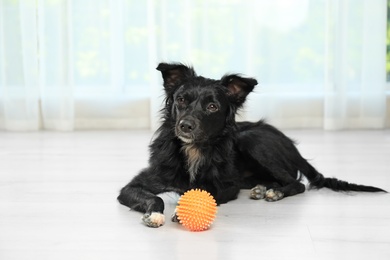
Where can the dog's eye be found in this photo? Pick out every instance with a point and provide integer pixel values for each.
(180, 100)
(212, 107)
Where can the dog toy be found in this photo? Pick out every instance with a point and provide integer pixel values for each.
(196, 210)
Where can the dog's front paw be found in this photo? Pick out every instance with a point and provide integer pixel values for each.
(273, 195)
(154, 220)
(174, 217)
(258, 192)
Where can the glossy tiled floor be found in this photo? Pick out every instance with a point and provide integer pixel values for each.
(58, 190)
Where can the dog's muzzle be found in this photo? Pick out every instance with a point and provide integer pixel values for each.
(187, 126)
(185, 130)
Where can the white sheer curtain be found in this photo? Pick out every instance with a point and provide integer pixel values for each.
(355, 89)
(89, 64)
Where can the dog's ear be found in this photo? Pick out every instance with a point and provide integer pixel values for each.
(238, 87)
(174, 74)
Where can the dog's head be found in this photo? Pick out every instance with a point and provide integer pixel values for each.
(202, 108)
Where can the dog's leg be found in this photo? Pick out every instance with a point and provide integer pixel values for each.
(261, 190)
(276, 193)
(286, 186)
(141, 197)
(146, 202)
(289, 190)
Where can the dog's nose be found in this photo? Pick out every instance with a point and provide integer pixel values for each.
(187, 126)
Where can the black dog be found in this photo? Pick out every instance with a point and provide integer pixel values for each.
(200, 145)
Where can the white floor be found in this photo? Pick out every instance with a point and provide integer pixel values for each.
(58, 201)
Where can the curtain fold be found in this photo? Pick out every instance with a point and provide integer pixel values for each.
(68, 65)
(55, 61)
(19, 83)
(355, 89)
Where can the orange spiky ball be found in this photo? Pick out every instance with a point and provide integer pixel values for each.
(196, 210)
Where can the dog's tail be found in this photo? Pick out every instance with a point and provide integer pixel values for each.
(318, 181)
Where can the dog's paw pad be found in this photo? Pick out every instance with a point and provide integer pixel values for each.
(258, 192)
(154, 220)
(273, 195)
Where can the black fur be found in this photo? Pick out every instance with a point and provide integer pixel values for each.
(200, 145)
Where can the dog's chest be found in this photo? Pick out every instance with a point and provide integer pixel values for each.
(195, 159)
